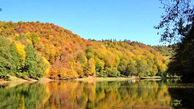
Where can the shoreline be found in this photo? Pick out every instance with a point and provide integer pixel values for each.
(14, 81)
(92, 79)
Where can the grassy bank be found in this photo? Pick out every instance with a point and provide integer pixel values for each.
(15, 81)
(151, 77)
(98, 79)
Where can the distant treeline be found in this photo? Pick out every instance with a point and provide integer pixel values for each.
(37, 45)
(168, 51)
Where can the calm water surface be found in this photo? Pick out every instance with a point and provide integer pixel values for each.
(100, 95)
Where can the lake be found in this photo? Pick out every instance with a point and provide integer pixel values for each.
(143, 94)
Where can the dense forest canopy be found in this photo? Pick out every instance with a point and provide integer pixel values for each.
(71, 56)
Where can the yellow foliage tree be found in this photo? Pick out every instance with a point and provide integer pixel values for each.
(91, 67)
(21, 52)
(48, 68)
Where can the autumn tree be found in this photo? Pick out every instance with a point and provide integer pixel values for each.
(35, 66)
(71, 56)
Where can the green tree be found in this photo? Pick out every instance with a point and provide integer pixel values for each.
(10, 61)
(34, 64)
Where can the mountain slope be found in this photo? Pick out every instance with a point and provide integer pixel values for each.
(71, 56)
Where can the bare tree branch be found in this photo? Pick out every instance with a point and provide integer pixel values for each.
(176, 20)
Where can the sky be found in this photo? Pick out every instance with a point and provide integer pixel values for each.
(92, 19)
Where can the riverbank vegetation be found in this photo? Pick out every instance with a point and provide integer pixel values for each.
(19, 60)
(37, 45)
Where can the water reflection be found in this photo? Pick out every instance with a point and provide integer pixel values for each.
(23, 97)
(100, 95)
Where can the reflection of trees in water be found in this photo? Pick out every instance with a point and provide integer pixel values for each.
(82, 95)
(22, 97)
(182, 98)
(105, 95)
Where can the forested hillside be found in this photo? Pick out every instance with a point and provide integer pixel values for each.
(71, 56)
(168, 51)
